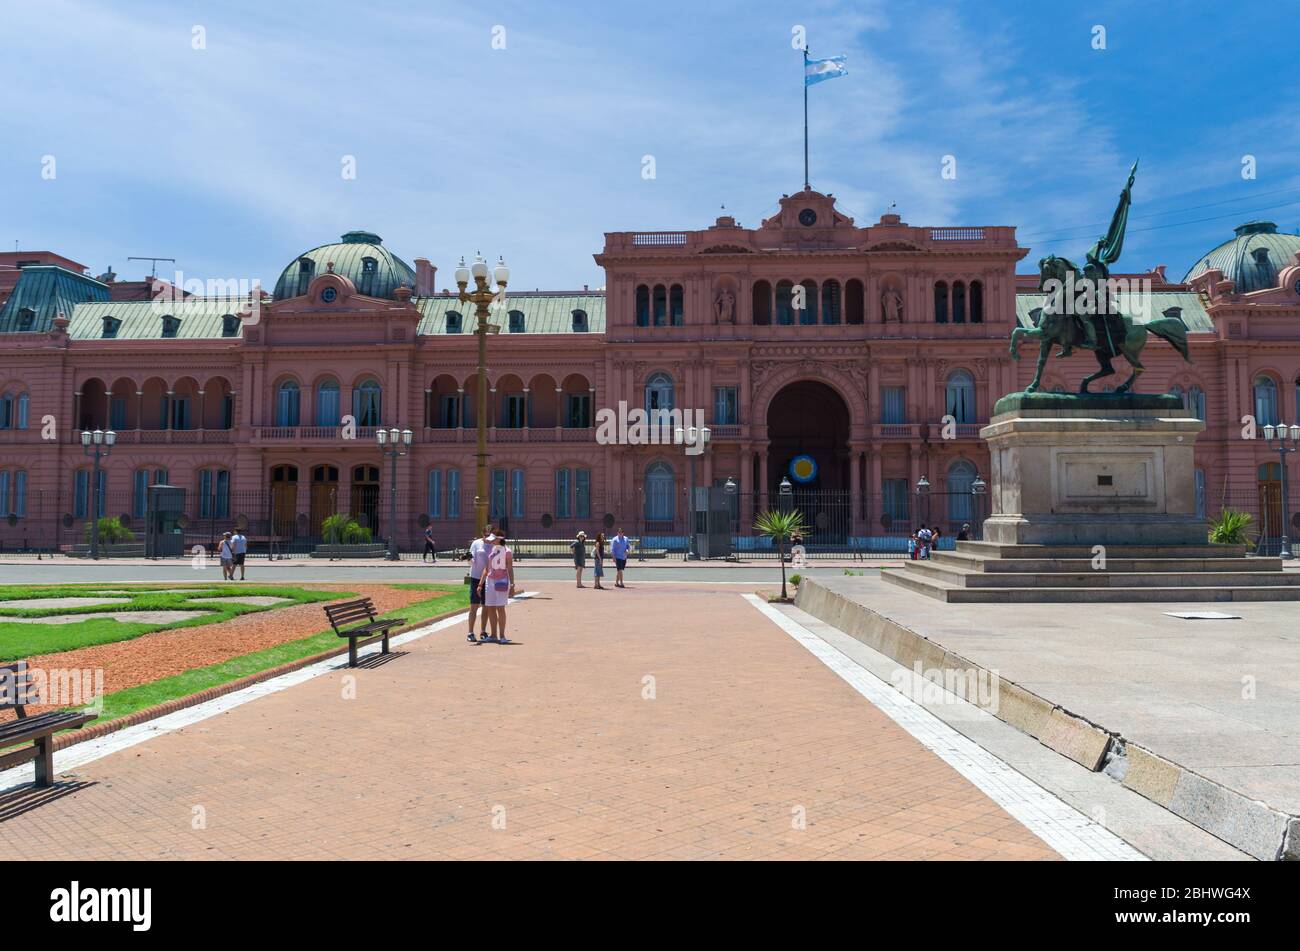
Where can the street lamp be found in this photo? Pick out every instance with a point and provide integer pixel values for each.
(690, 437)
(96, 445)
(786, 488)
(481, 297)
(923, 493)
(400, 443)
(1282, 440)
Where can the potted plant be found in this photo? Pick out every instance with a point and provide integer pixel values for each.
(1232, 527)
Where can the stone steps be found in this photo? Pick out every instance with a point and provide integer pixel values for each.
(1045, 594)
(1166, 576)
(1121, 552)
(971, 562)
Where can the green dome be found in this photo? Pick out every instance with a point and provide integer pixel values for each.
(1253, 258)
(360, 256)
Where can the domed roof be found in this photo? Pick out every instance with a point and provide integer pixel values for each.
(1253, 258)
(360, 256)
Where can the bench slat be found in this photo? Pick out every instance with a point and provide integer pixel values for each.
(18, 731)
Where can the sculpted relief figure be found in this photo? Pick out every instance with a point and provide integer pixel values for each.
(724, 306)
(891, 304)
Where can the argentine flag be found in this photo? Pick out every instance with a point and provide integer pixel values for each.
(817, 70)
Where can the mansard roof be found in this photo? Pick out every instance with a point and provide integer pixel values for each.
(48, 290)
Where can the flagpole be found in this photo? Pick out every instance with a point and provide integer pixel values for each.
(806, 184)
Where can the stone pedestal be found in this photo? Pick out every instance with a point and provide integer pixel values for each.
(1092, 470)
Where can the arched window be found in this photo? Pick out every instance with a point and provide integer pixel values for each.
(660, 493)
(785, 303)
(1178, 392)
(366, 403)
(1266, 408)
(6, 411)
(369, 274)
(516, 321)
(454, 322)
(961, 502)
(26, 319)
(809, 313)
(831, 302)
(941, 302)
(642, 306)
(229, 325)
(327, 403)
(958, 302)
(1196, 402)
(580, 325)
(287, 402)
(976, 302)
(306, 267)
(854, 302)
(762, 303)
(658, 396)
(661, 306)
(960, 398)
(676, 308)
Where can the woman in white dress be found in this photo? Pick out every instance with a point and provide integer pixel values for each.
(498, 586)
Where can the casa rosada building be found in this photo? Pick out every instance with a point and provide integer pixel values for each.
(808, 337)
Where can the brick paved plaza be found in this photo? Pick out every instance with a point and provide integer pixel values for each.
(746, 732)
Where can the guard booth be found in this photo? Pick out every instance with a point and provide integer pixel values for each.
(713, 519)
(164, 522)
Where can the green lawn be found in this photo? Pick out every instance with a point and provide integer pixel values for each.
(445, 599)
(18, 641)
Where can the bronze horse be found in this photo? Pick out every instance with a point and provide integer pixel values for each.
(1066, 329)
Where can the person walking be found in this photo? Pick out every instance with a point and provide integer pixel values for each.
(598, 564)
(226, 552)
(618, 547)
(240, 545)
(579, 547)
(430, 546)
(478, 559)
(498, 586)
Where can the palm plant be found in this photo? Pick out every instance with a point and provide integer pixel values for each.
(342, 529)
(1232, 527)
(780, 526)
(111, 531)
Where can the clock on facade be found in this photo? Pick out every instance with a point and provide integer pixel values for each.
(807, 217)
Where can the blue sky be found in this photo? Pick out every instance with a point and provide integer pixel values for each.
(229, 158)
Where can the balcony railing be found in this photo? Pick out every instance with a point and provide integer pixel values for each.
(503, 434)
(164, 437)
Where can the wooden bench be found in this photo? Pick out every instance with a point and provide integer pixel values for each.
(17, 692)
(368, 630)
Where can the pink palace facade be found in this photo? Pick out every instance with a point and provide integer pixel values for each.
(901, 326)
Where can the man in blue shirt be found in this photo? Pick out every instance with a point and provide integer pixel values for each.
(479, 550)
(618, 547)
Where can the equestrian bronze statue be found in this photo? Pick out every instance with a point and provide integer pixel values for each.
(1081, 310)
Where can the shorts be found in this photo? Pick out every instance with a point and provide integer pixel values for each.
(620, 563)
(239, 558)
(474, 596)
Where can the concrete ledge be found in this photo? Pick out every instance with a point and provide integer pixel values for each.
(1250, 825)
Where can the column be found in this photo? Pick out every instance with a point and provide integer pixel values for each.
(428, 407)
(875, 489)
(559, 411)
(855, 488)
(746, 490)
(139, 411)
(203, 404)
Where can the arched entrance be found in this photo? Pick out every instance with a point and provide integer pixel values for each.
(809, 420)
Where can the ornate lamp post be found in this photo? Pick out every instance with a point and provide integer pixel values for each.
(1282, 440)
(96, 445)
(694, 436)
(923, 497)
(399, 442)
(481, 297)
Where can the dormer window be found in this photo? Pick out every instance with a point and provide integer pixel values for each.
(453, 322)
(170, 325)
(516, 321)
(111, 324)
(306, 268)
(579, 321)
(229, 326)
(26, 318)
(1261, 256)
(369, 271)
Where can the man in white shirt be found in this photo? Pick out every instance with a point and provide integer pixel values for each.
(240, 544)
(479, 550)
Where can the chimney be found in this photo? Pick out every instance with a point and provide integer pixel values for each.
(424, 278)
